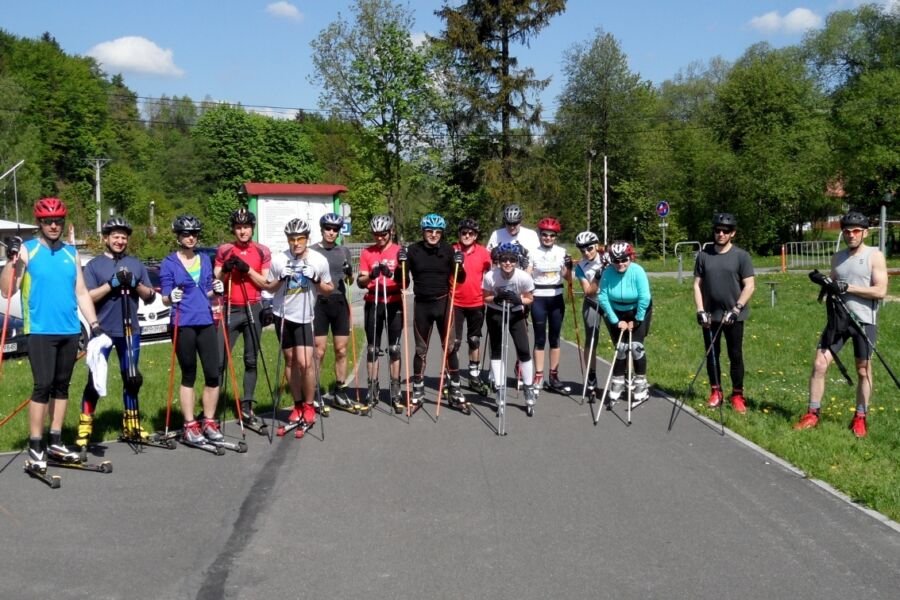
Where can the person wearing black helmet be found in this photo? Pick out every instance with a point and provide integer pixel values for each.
(114, 278)
(50, 304)
(468, 303)
(723, 284)
(332, 311)
(859, 280)
(244, 265)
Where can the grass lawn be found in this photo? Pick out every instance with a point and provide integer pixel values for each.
(779, 346)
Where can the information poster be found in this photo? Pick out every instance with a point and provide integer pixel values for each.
(273, 213)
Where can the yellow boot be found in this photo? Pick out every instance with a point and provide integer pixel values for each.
(131, 426)
(85, 427)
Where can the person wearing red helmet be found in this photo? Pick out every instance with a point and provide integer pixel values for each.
(549, 264)
(49, 273)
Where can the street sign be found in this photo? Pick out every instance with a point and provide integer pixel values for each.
(346, 228)
(662, 209)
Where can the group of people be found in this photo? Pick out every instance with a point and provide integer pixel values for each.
(519, 275)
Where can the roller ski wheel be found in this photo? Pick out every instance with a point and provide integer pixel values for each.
(322, 409)
(103, 467)
(154, 440)
(205, 446)
(529, 410)
(353, 408)
(299, 428)
(398, 405)
(40, 473)
(256, 425)
(240, 447)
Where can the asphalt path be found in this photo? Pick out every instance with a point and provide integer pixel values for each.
(444, 508)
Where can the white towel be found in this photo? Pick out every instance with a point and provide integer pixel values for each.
(96, 361)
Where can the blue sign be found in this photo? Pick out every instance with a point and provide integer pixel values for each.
(662, 209)
(346, 228)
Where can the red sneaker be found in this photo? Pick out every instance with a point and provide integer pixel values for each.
(858, 426)
(296, 414)
(715, 397)
(309, 413)
(737, 403)
(807, 421)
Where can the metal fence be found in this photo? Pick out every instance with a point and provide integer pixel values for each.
(800, 255)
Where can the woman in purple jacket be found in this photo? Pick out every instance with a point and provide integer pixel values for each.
(186, 282)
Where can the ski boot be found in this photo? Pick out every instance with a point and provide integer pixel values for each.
(555, 385)
(372, 395)
(249, 418)
(85, 428)
(60, 453)
(474, 371)
(457, 399)
(37, 457)
(211, 431)
(616, 388)
(641, 390)
(131, 426)
(397, 397)
(591, 390)
(418, 394)
(341, 400)
(530, 399)
(538, 383)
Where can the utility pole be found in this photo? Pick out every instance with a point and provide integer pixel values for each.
(605, 217)
(98, 164)
(591, 154)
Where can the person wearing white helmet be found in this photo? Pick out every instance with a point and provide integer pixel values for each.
(513, 232)
(588, 271)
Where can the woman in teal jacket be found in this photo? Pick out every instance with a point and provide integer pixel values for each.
(625, 300)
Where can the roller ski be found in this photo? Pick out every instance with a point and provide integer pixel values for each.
(457, 400)
(212, 434)
(371, 400)
(193, 437)
(250, 420)
(60, 456)
(640, 391)
(341, 401)
(556, 386)
(616, 389)
(301, 420)
(397, 402)
(590, 391)
(322, 408)
(418, 396)
(36, 466)
(132, 434)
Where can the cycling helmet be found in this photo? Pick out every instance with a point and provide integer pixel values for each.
(331, 220)
(114, 223)
(620, 251)
(468, 223)
(508, 250)
(242, 216)
(433, 221)
(512, 215)
(586, 238)
(49, 207)
(724, 220)
(855, 218)
(381, 223)
(296, 227)
(186, 224)
(549, 224)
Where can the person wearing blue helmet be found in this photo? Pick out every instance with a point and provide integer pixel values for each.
(431, 263)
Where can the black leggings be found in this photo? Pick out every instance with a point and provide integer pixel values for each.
(426, 314)
(547, 310)
(734, 339)
(194, 340)
(518, 329)
(239, 324)
(52, 359)
(374, 328)
(638, 353)
(472, 318)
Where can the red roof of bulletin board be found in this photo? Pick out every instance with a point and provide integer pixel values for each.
(292, 189)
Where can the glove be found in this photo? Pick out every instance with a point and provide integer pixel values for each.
(239, 265)
(567, 262)
(218, 287)
(386, 270)
(704, 319)
(228, 265)
(266, 316)
(176, 295)
(507, 296)
(819, 278)
(827, 283)
(348, 270)
(309, 271)
(375, 272)
(13, 245)
(402, 255)
(96, 330)
(837, 287)
(458, 257)
(288, 272)
(122, 278)
(732, 315)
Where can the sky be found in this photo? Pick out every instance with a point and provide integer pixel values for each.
(257, 52)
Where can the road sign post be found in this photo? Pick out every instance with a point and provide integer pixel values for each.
(662, 210)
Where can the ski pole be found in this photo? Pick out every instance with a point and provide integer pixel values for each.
(630, 377)
(405, 340)
(255, 337)
(317, 398)
(676, 407)
(134, 419)
(504, 357)
(447, 339)
(276, 398)
(715, 364)
(372, 369)
(169, 397)
(353, 341)
(608, 376)
(226, 305)
(862, 331)
(590, 358)
(6, 317)
(575, 325)
(13, 413)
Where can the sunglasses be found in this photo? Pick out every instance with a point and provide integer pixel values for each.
(467, 232)
(432, 231)
(54, 221)
(334, 229)
(508, 259)
(588, 249)
(854, 231)
(548, 234)
(381, 234)
(298, 238)
(621, 261)
(721, 230)
(192, 234)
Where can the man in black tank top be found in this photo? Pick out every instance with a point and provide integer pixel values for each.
(859, 279)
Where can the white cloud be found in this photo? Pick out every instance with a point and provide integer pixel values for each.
(796, 21)
(419, 39)
(135, 54)
(284, 10)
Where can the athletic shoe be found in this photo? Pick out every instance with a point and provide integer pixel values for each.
(296, 414)
(715, 397)
(38, 458)
(641, 391)
(192, 433)
(858, 426)
(211, 431)
(85, 427)
(807, 421)
(616, 387)
(60, 453)
(737, 402)
(309, 413)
